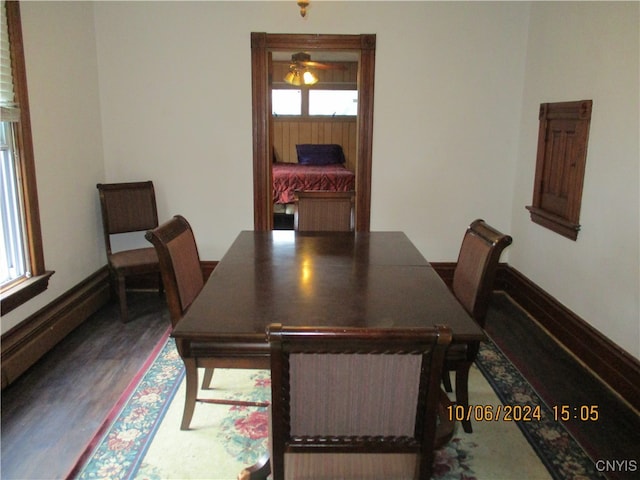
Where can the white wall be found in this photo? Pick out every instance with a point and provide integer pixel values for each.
(585, 50)
(448, 89)
(457, 91)
(62, 80)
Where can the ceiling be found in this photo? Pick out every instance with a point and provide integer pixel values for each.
(324, 56)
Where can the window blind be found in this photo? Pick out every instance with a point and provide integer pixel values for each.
(9, 111)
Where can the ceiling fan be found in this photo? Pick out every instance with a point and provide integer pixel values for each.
(301, 60)
(299, 73)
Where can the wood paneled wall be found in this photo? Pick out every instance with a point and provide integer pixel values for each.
(287, 133)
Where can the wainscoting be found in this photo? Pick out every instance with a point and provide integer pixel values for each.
(614, 366)
(25, 344)
(288, 133)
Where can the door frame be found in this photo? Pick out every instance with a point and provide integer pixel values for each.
(262, 44)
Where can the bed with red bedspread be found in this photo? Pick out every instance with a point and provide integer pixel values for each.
(319, 167)
(289, 177)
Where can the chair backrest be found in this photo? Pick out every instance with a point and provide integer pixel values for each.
(318, 211)
(355, 390)
(475, 271)
(127, 207)
(179, 264)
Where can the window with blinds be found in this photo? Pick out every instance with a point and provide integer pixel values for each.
(7, 97)
(14, 262)
(22, 272)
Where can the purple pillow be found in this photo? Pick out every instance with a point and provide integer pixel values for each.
(319, 154)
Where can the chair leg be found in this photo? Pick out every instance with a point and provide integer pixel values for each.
(160, 284)
(446, 380)
(191, 392)
(258, 471)
(121, 285)
(462, 391)
(206, 380)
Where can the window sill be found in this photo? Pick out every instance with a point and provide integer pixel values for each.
(553, 222)
(23, 292)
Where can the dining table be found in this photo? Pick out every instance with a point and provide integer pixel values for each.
(361, 279)
(314, 279)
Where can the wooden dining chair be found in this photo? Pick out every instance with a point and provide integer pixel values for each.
(473, 280)
(323, 211)
(183, 280)
(127, 208)
(355, 402)
(179, 259)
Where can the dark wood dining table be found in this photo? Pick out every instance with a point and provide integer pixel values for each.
(372, 279)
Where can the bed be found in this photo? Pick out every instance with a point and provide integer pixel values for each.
(319, 167)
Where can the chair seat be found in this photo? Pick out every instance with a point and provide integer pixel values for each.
(128, 208)
(140, 259)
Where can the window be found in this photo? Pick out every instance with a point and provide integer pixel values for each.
(286, 101)
(562, 153)
(22, 272)
(14, 261)
(314, 102)
(333, 102)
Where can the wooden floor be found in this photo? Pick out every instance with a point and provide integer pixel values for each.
(53, 410)
(560, 379)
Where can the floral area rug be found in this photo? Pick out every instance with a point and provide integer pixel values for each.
(145, 442)
(557, 449)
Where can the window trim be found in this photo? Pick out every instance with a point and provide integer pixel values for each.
(39, 281)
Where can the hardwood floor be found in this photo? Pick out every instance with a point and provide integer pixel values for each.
(560, 379)
(53, 410)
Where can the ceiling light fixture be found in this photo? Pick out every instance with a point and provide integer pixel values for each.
(297, 76)
(299, 73)
(303, 4)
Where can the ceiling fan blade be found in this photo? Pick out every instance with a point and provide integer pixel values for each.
(325, 66)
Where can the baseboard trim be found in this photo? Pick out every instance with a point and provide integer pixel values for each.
(25, 344)
(207, 268)
(616, 367)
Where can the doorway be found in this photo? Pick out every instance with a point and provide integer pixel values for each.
(262, 47)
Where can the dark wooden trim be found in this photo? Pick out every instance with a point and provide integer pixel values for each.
(207, 268)
(560, 166)
(554, 222)
(262, 190)
(26, 343)
(23, 345)
(445, 271)
(616, 367)
(366, 77)
(150, 281)
(24, 145)
(262, 44)
(23, 292)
